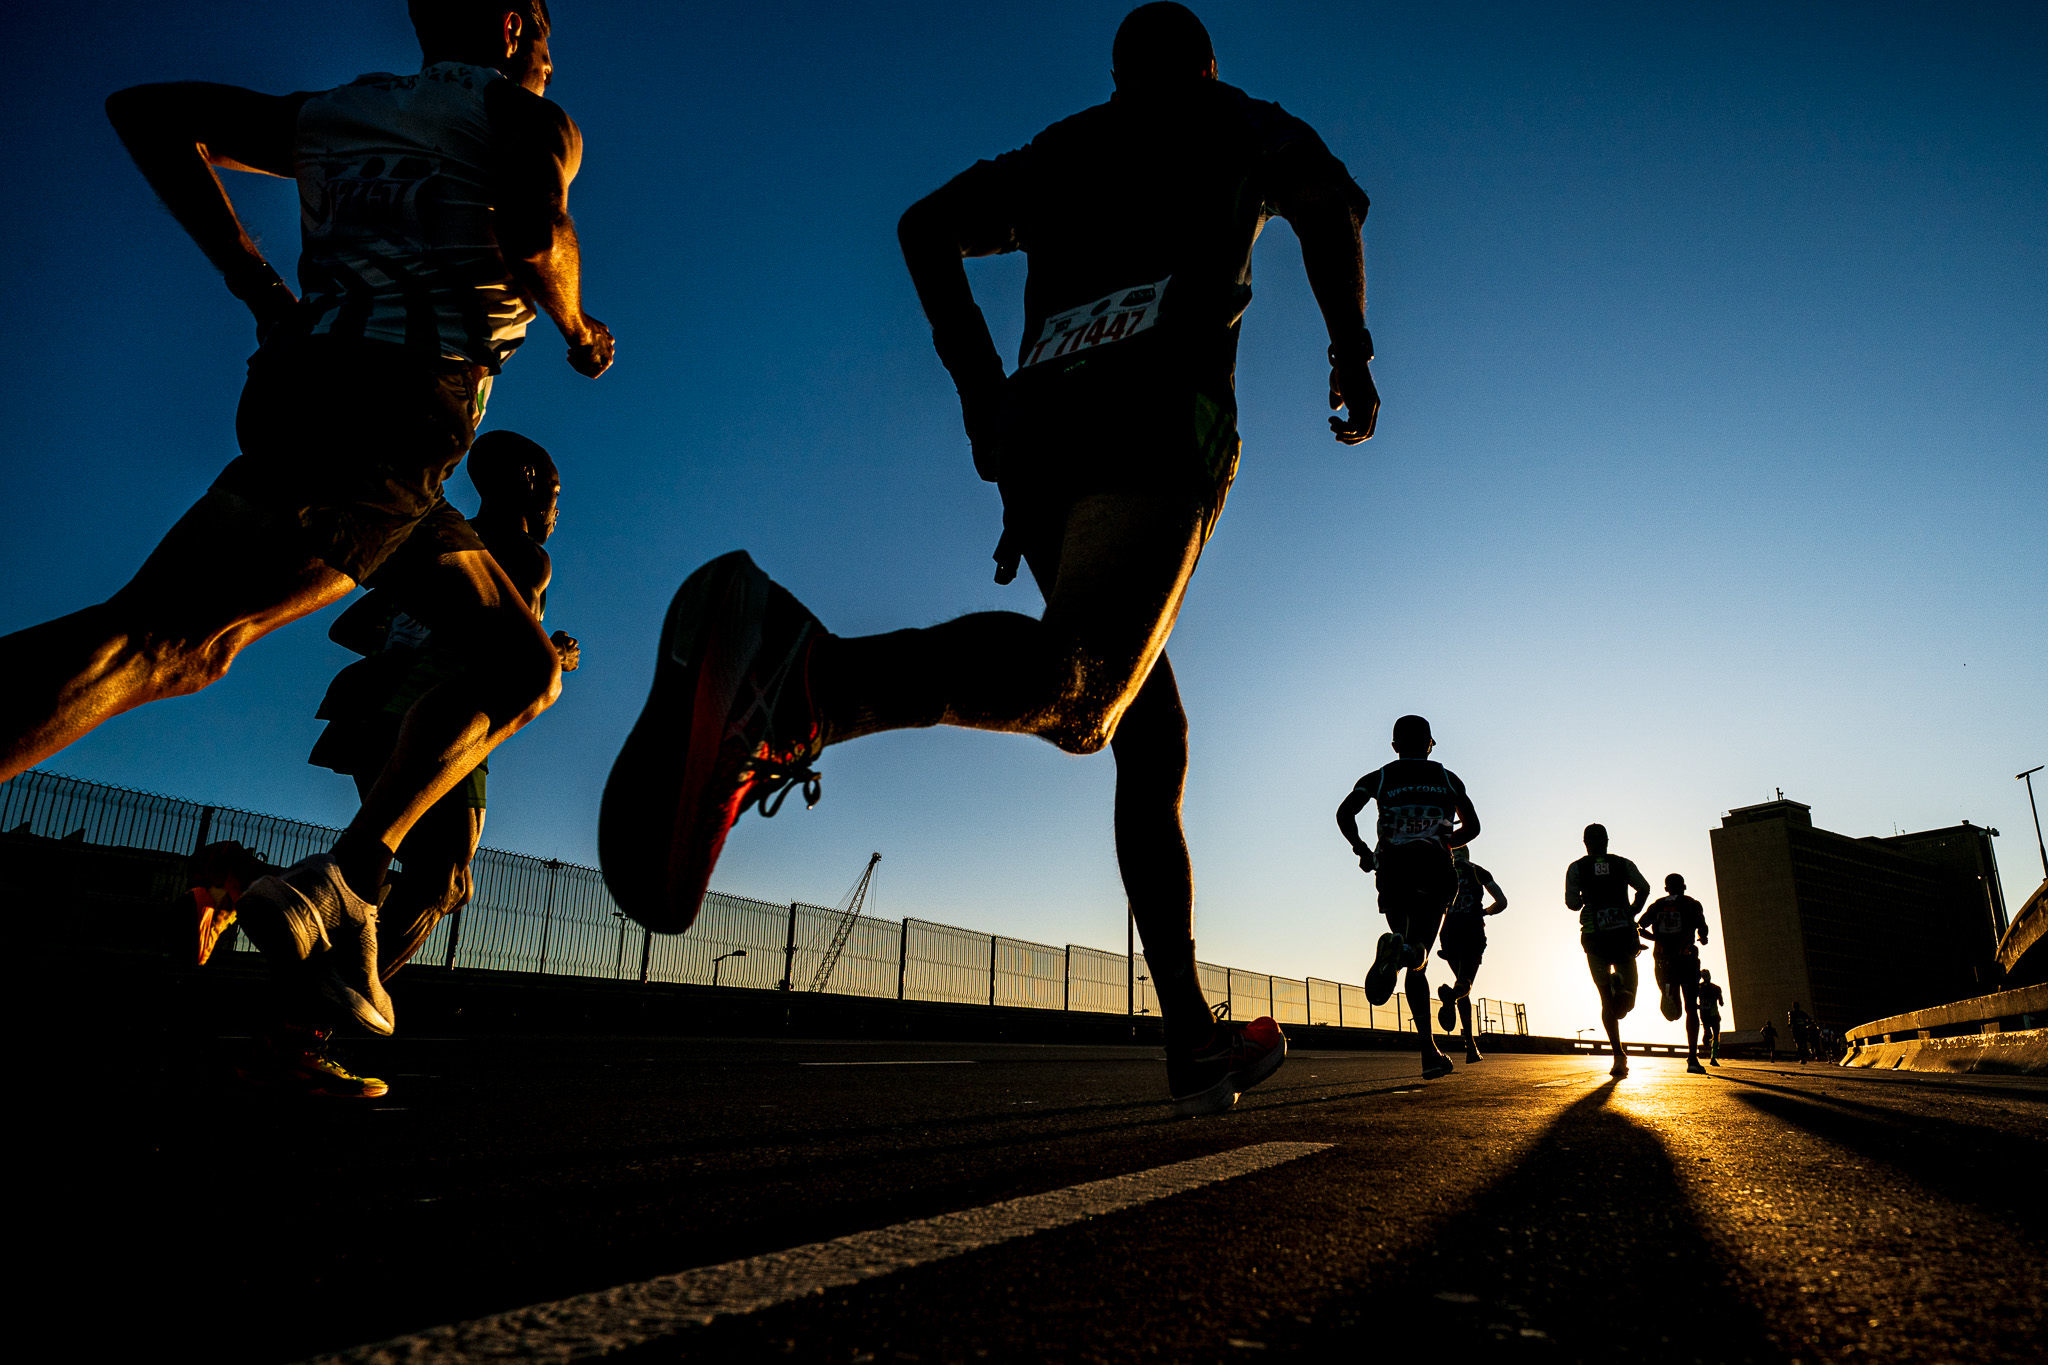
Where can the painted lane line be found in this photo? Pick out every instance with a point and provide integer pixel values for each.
(614, 1319)
(960, 1062)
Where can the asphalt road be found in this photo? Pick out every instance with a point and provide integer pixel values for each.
(1524, 1208)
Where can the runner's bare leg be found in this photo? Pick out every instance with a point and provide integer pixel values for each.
(211, 587)
(1091, 671)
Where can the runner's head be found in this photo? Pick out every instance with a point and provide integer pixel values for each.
(511, 35)
(1675, 884)
(516, 478)
(1159, 47)
(1596, 839)
(1705, 975)
(1412, 738)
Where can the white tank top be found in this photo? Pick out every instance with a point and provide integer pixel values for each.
(396, 218)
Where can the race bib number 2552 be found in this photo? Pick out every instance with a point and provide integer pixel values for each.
(1112, 317)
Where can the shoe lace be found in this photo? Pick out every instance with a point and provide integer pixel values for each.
(777, 766)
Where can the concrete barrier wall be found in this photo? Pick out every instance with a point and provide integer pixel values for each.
(2006, 1032)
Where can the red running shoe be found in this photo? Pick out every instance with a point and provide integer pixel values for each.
(1209, 1079)
(729, 724)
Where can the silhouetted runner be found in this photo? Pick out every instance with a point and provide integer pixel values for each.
(1800, 1025)
(1598, 886)
(1768, 1035)
(365, 709)
(434, 210)
(1672, 923)
(1113, 442)
(1419, 802)
(1710, 1016)
(1464, 944)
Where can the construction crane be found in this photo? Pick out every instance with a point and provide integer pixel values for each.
(849, 912)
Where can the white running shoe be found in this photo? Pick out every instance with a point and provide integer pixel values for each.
(312, 927)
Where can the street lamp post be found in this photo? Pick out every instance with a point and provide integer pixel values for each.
(2028, 778)
(737, 952)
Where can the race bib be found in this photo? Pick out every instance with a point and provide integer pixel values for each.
(1110, 318)
(1611, 917)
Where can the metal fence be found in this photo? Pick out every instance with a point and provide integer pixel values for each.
(542, 915)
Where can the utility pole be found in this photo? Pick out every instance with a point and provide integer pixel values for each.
(2028, 778)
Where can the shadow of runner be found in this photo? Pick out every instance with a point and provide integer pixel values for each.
(1994, 1172)
(1588, 1250)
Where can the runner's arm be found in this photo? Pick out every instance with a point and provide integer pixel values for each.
(1467, 828)
(537, 151)
(937, 234)
(178, 134)
(1574, 898)
(1641, 885)
(1335, 261)
(1347, 823)
(1500, 898)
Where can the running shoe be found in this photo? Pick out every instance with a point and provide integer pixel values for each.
(1671, 1005)
(729, 724)
(1620, 1067)
(1447, 1013)
(1473, 1054)
(1717, 1061)
(1692, 1064)
(1433, 1067)
(1386, 965)
(1208, 1080)
(320, 936)
(302, 1061)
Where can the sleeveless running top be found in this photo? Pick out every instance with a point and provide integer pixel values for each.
(396, 217)
(1673, 920)
(1472, 882)
(1418, 800)
(1604, 882)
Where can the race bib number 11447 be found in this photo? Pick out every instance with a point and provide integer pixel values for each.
(1110, 318)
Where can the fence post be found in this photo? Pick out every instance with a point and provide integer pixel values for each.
(646, 952)
(991, 969)
(454, 935)
(1340, 1004)
(1067, 980)
(789, 950)
(547, 915)
(902, 957)
(205, 828)
(1131, 968)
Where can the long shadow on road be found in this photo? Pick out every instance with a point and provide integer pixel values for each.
(1588, 1250)
(1996, 1173)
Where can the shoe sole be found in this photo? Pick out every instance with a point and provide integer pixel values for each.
(658, 833)
(1386, 965)
(1444, 1068)
(1447, 1013)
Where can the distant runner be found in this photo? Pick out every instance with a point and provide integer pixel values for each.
(1800, 1024)
(1672, 923)
(434, 213)
(1464, 944)
(1598, 886)
(1114, 442)
(1768, 1035)
(1419, 800)
(366, 706)
(1710, 1016)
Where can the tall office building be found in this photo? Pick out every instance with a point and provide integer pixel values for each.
(1856, 929)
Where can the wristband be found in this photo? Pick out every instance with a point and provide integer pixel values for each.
(1364, 339)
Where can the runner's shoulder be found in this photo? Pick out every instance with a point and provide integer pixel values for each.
(1371, 782)
(518, 114)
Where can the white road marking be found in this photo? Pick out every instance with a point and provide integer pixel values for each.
(966, 1061)
(632, 1314)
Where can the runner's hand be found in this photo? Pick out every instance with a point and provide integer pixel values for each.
(1365, 862)
(269, 299)
(1351, 387)
(593, 356)
(566, 648)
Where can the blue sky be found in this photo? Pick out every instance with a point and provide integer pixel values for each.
(1714, 345)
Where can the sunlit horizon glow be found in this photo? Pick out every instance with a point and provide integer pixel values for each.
(1715, 368)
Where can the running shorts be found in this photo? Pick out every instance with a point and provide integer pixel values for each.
(1136, 423)
(1464, 941)
(1611, 947)
(1678, 969)
(1416, 882)
(346, 443)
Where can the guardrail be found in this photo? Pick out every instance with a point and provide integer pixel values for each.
(543, 915)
